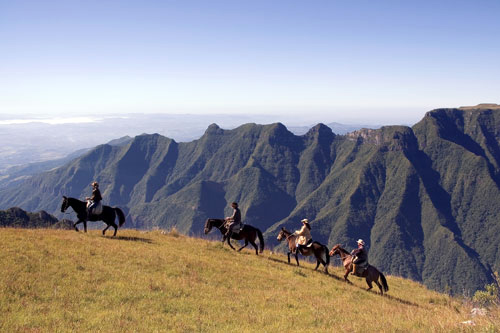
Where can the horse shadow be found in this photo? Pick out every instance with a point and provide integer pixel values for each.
(283, 262)
(133, 239)
(341, 279)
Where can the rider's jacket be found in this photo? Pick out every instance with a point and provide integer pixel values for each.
(236, 218)
(304, 235)
(96, 195)
(360, 254)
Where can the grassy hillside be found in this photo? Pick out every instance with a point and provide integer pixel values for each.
(57, 281)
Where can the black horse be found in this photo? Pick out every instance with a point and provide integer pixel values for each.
(108, 214)
(248, 233)
(317, 249)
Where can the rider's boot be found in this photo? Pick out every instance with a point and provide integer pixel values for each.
(353, 272)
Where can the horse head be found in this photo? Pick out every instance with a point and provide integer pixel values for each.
(335, 250)
(208, 226)
(282, 235)
(65, 204)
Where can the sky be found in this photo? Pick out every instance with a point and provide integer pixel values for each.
(346, 61)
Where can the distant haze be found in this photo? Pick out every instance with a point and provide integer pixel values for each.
(31, 139)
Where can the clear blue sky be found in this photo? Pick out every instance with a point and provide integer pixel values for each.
(345, 60)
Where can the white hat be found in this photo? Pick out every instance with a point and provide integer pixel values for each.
(360, 241)
(305, 221)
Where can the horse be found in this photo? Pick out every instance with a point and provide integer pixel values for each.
(371, 274)
(248, 233)
(316, 248)
(108, 214)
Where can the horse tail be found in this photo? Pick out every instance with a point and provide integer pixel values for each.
(327, 255)
(261, 240)
(121, 216)
(384, 282)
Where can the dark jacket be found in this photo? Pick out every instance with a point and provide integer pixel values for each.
(96, 195)
(236, 215)
(360, 254)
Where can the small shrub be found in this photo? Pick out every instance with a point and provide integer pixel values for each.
(489, 296)
(486, 297)
(174, 232)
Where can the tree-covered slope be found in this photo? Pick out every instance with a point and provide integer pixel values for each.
(18, 218)
(423, 198)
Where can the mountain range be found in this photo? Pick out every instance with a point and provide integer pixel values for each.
(424, 198)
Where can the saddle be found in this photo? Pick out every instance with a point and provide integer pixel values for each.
(236, 228)
(97, 209)
(361, 268)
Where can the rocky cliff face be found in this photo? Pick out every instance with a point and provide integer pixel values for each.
(423, 198)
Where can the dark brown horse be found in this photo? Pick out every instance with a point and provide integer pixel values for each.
(316, 248)
(371, 274)
(108, 214)
(249, 234)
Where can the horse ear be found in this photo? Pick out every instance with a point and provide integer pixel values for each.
(64, 197)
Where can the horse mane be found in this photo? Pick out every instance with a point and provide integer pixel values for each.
(76, 201)
(214, 221)
(342, 249)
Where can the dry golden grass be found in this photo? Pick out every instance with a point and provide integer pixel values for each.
(59, 281)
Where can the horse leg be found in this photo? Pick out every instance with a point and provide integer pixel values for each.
(289, 257)
(246, 243)
(85, 225)
(369, 283)
(74, 224)
(255, 246)
(116, 229)
(297, 256)
(317, 264)
(229, 242)
(104, 231)
(379, 286)
(320, 260)
(346, 275)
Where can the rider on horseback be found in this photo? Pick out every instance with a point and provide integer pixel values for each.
(95, 199)
(234, 220)
(360, 257)
(304, 234)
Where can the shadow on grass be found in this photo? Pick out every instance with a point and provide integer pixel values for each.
(132, 239)
(341, 279)
(319, 270)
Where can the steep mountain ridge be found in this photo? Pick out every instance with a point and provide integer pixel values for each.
(422, 197)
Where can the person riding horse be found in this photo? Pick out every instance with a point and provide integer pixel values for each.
(95, 199)
(234, 220)
(360, 257)
(304, 235)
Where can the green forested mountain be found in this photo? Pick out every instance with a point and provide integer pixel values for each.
(423, 198)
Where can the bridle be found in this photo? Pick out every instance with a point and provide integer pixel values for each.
(283, 233)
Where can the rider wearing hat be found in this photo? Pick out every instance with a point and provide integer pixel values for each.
(304, 235)
(360, 256)
(94, 199)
